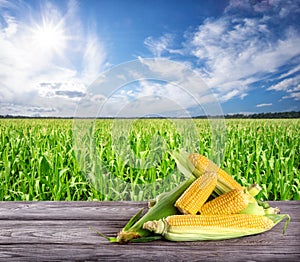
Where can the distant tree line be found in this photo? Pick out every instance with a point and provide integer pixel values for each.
(290, 114)
(33, 117)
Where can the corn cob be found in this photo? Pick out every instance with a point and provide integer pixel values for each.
(231, 202)
(197, 193)
(212, 227)
(225, 181)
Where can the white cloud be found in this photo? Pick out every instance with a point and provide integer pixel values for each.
(167, 69)
(94, 58)
(229, 95)
(287, 84)
(149, 98)
(249, 42)
(238, 55)
(246, 113)
(281, 7)
(264, 105)
(234, 51)
(295, 96)
(290, 72)
(149, 86)
(182, 75)
(25, 64)
(161, 45)
(141, 98)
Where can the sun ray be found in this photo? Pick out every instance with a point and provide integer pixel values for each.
(49, 36)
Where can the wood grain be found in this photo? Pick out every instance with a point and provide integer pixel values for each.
(60, 231)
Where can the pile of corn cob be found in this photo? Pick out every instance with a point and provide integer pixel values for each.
(209, 205)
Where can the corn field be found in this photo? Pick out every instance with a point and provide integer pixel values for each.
(38, 159)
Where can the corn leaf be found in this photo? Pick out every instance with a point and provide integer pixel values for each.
(276, 218)
(110, 239)
(134, 219)
(182, 163)
(146, 239)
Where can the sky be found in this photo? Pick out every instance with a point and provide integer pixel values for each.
(53, 55)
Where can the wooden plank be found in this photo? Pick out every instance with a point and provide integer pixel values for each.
(51, 232)
(56, 231)
(83, 210)
(138, 252)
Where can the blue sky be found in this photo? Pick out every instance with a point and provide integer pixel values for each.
(247, 53)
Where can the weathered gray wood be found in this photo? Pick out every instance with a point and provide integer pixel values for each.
(59, 231)
(78, 210)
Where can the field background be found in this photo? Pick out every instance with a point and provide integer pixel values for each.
(38, 161)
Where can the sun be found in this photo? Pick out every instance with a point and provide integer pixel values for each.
(49, 37)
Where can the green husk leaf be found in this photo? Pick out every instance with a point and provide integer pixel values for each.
(182, 162)
(110, 239)
(276, 218)
(264, 204)
(163, 208)
(146, 239)
(134, 219)
(272, 210)
(152, 202)
(254, 189)
(254, 209)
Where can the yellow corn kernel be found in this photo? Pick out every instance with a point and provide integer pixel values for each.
(231, 202)
(220, 221)
(193, 198)
(225, 181)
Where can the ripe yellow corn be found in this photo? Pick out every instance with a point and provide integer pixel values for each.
(231, 202)
(209, 227)
(219, 221)
(225, 181)
(193, 198)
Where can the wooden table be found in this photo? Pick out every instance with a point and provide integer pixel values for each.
(59, 231)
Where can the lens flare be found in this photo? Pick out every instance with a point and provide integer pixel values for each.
(49, 37)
